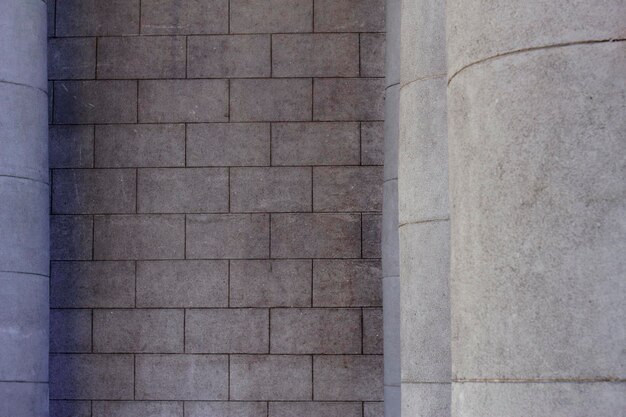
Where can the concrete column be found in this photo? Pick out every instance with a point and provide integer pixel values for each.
(423, 208)
(24, 201)
(537, 142)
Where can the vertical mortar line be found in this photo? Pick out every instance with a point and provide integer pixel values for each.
(312, 274)
(95, 69)
(269, 331)
(312, 195)
(270, 219)
(186, 57)
(185, 145)
(139, 29)
(136, 190)
(135, 262)
(185, 236)
(360, 143)
(313, 16)
(134, 376)
(93, 237)
(184, 330)
(361, 240)
(228, 377)
(312, 99)
(93, 146)
(137, 109)
(363, 408)
(267, 408)
(229, 190)
(312, 378)
(359, 48)
(271, 150)
(91, 408)
(92, 330)
(229, 100)
(362, 330)
(183, 408)
(54, 29)
(228, 19)
(228, 278)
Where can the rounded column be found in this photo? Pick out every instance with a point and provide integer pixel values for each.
(24, 201)
(536, 104)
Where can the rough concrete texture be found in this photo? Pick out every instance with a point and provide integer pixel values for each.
(426, 399)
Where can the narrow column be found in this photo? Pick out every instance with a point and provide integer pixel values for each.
(537, 143)
(423, 207)
(24, 201)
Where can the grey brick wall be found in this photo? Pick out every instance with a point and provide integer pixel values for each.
(216, 189)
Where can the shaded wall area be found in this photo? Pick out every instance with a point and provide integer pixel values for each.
(216, 195)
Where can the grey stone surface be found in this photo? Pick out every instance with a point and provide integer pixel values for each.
(64, 408)
(181, 377)
(270, 100)
(391, 340)
(348, 99)
(97, 17)
(315, 55)
(374, 409)
(337, 189)
(390, 242)
(270, 283)
(346, 283)
(371, 228)
(137, 330)
(228, 144)
(222, 408)
(71, 58)
(182, 190)
(316, 235)
(393, 20)
(229, 330)
(315, 143)
(270, 377)
(51, 6)
(349, 15)
(393, 400)
(276, 189)
(184, 17)
(372, 331)
(70, 330)
(348, 377)
(24, 399)
(372, 143)
(71, 146)
(183, 101)
(182, 283)
(372, 54)
(392, 131)
(314, 409)
(137, 408)
(71, 237)
(238, 56)
(321, 331)
(261, 16)
(141, 57)
(427, 400)
(139, 237)
(223, 236)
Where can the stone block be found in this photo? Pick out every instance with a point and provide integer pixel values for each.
(91, 377)
(182, 283)
(320, 235)
(51, 6)
(372, 54)
(223, 408)
(70, 331)
(71, 58)
(261, 16)
(71, 146)
(374, 409)
(270, 100)
(320, 331)
(88, 102)
(86, 284)
(371, 235)
(426, 399)
(137, 409)
(392, 131)
(139, 237)
(229, 330)
(347, 283)
(223, 236)
(270, 377)
(182, 190)
(184, 17)
(389, 242)
(228, 144)
(276, 283)
(97, 17)
(348, 377)
(71, 237)
(372, 331)
(143, 145)
(315, 143)
(24, 399)
(141, 57)
(349, 15)
(348, 99)
(372, 143)
(314, 409)
(90, 191)
(181, 377)
(229, 56)
(339, 189)
(273, 189)
(180, 101)
(315, 55)
(64, 408)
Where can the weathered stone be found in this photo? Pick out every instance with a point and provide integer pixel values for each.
(276, 100)
(261, 16)
(184, 17)
(348, 99)
(237, 56)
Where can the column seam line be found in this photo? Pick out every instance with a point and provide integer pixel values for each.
(24, 178)
(427, 78)
(24, 85)
(433, 220)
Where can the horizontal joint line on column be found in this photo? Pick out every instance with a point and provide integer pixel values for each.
(426, 382)
(22, 382)
(390, 179)
(535, 48)
(537, 380)
(391, 85)
(24, 178)
(427, 78)
(24, 273)
(424, 221)
(24, 85)
(392, 385)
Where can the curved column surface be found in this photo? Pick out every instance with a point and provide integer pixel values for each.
(24, 208)
(537, 163)
(423, 212)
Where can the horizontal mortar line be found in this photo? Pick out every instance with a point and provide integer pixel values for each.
(538, 380)
(214, 259)
(433, 220)
(17, 177)
(426, 382)
(231, 307)
(427, 78)
(216, 122)
(24, 85)
(214, 213)
(18, 381)
(218, 400)
(181, 353)
(211, 166)
(532, 49)
(173, 35)
(309, 77)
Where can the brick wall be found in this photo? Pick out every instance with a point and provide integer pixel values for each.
(216, 188)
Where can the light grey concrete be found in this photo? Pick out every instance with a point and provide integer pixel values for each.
(426, 399)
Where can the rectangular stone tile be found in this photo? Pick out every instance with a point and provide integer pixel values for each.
(228, 330)
(182, 190)
(270, 99)
(315, 55)
(182, 283)
(307, 235)
(222, 408)
(184, 17)
(372, 54)
(371, 235)
(349, 15)
(70, 330)
(279, 283)
(71, 146)
(141, 57)
(71, 58)
(91, 377)
(97, 17)
(372, 330)
(181, 377)
(374, 409)
(270, 377)
(326, 330)
(136, 330)
(88, 102)
(71, 237)
(61, 408)
(141, 145)
(314, 409)
(348, 377)
(349, 99)
(263, 16)
(270, 189)
(347, 188)
(224, 236)
(177, 101)
(137, 409)
(228, 144)
(372, 143)
(229, 56)
(51, 9)
(350, 283)
(139, 237)
(87, 191)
